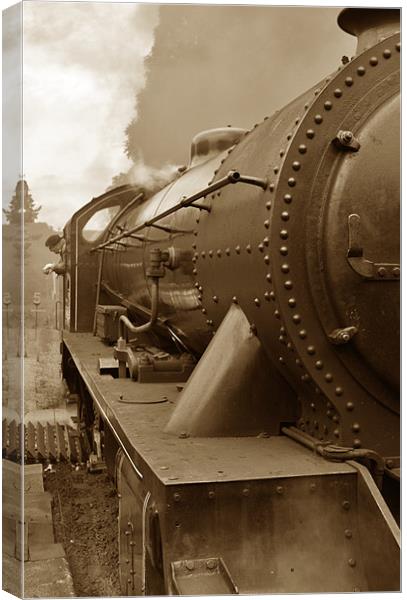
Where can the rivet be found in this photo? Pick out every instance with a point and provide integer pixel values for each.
(204, 311)
(335, 419)
(237, 249)
(203, 253)
(271, 187)
(285, 268)
(227, 251)
(248, 248)
(290, 346)
(361, 71)
(396, 272)
(311, 349)
(352, 562)
(348, 533)
(319, 364)
(288, 198)
(266, 223)
(350, 406)
(253, 330)
(317, 91)
(338, 391)
(260, 247)
(219, 253)
(268, 204)
(298, 362)
(305, 377)
(196, 284)
(357, 443)
(328, 105)
(199, 297)
(306, 106)
(209, 322)
(349, 81)
(272, 295)
(190, 565)
(337, 93)
(234, 300)
(381, 271)
(266, 241)
(387, 53)
(194, 259)
(302, 148)
(194, 271)
(275, 170)
(281, 153)
(373, 61)
(268, 277)
(329, 414)
(297, 120)
(285, 216)
(346, 505)
(303, 334)
(267, 296)
(215, 299)
(279, 489)
(281, 339)
(292, 302)
(210, 253)
(328, 377)
(310, 133)
(297, 318)
(245, 492)
(398, 46)
(257, 302)
(289, 136)
(288, 285)
(277, 314)
(296, 165)
(283, 330)
(267, 259)
(194, 246)
(200, 288)
(284, 250)
(291, 181)
(284, 234)
(318, 119)
(336, 433)
(177, 497)
(281, 360)
(356, 427)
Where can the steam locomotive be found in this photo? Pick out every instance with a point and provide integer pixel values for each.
(233, 341)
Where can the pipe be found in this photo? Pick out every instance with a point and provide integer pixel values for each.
(338, 453)
(126, 325)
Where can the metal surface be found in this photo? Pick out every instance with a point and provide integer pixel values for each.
(233, 393)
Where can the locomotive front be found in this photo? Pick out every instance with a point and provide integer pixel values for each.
(274, 261)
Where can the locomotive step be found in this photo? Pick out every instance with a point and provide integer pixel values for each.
(52, 442)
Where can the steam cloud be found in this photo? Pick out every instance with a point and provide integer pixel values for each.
(83, 64)
(213, 66)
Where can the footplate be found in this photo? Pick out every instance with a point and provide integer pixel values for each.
(41, 443)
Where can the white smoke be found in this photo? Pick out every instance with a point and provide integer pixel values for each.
(83, 67)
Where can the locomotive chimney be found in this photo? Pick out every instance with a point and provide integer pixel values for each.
(369, 25)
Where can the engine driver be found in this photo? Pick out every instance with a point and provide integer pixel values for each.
(57, 244)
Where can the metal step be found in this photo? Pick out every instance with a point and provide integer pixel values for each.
(41, 443)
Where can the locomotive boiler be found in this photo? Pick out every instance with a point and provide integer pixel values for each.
(233, 341)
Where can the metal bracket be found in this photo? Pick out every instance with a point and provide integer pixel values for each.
(363, 267)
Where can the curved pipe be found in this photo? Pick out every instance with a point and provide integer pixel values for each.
(338, 453)
(126, 325)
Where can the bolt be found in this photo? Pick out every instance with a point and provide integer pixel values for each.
(280, 489)
(190, 565)
(346, 505)
(211, 495)
(211, 564)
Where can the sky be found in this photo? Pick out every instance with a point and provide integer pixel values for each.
(90, 69)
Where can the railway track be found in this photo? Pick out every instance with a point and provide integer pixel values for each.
(41, 442)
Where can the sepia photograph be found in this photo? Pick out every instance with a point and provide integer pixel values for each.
(201, 299)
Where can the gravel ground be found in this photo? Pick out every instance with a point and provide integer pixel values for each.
(85, 511)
